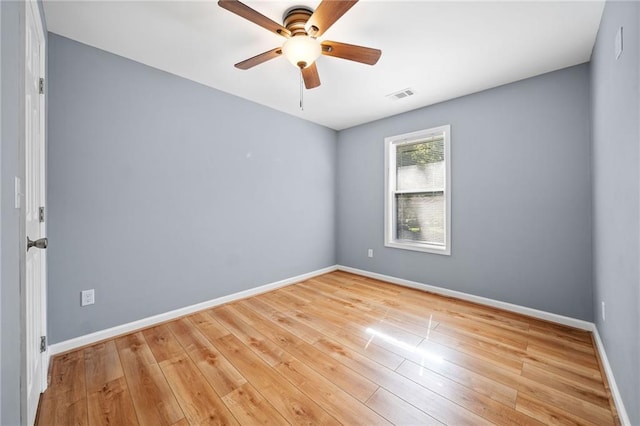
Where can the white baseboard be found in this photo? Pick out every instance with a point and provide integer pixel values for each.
(108, 333)
(617, 397)
(548, 316)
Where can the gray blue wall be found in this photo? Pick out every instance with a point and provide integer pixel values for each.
(616, 196)
(521, 195)
(164, 193)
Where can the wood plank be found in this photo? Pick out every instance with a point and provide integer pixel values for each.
(65, 402)
(266, 349)
(68, 377)
(462, 313)
(299, 300)
(340, 337)
(532, 388)
(329, 396)
(388, 319)
(489, 341)
(551, 340)
(250, 408)
(524, 385)
(292, 404)
(468, 309)
(563, 362)
(377, 290)
(304, 332)
(475, 402)
(102, 365)
(477, 382)
(426, 400)
(347, 315)
(343, 323)
(342, 376)
(209, 326)
(546, 413)
(510, 359)
(397, 410)
(476, 362)
(597, 396)
(577, 359)
(111, 404)
(491, 332)
(219, 372)
(152, 397)
(568, 403)
(569, 377)
(558, 331)
(162, 343)
(63, 412)
(199, 402)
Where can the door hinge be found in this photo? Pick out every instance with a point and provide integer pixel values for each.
(41, 214)
(43, 343)
(41, 86)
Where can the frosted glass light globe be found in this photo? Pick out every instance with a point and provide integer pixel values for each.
(301, 50)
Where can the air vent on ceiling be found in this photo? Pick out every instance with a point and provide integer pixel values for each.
(401, 94)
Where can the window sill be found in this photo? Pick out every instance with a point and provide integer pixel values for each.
(425, 248)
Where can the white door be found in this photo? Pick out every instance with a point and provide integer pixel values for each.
(34, 197)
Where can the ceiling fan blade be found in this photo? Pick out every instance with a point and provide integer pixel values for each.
(311, 76)
(241, 9)
(258, 59)
(365, 55)
(327, 13)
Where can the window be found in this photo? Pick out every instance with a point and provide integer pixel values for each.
(418, 191)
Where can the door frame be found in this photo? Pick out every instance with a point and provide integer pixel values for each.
(33, 4)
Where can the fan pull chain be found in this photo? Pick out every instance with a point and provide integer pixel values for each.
(301, 92)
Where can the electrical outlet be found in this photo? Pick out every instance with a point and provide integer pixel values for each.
(88, 297)
(370, 252)
(604, 318)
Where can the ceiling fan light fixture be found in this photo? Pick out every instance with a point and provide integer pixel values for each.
(301, 50)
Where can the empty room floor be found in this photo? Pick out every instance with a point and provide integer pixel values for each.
(336, 349)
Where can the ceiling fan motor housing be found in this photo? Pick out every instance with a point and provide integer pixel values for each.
(295, 19)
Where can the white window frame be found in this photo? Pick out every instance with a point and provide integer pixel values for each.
(390, 210)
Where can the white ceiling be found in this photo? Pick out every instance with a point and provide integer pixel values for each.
(440, 49)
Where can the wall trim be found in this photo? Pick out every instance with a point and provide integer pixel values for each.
(615, 392)
(88, 339)
(548, 316)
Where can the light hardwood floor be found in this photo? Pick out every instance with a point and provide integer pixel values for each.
(336, 349)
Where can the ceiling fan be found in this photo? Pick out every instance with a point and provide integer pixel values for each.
(302, 27)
